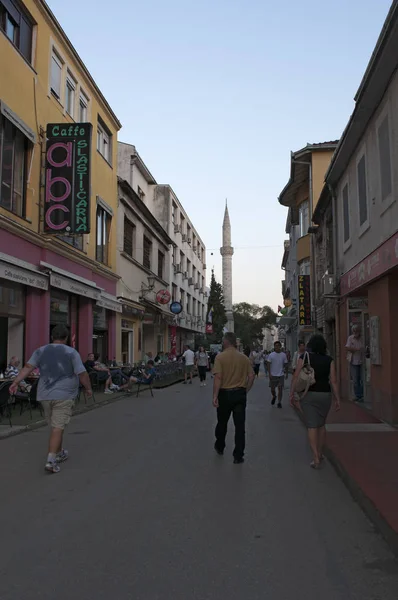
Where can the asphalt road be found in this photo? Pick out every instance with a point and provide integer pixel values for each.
(145, 510)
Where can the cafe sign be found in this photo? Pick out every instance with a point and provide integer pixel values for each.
(19, 275)
(67, 178)
(304, 292)
(75, 287)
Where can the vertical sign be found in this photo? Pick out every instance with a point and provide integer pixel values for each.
(304, 292)
(67, 188)
(375, 349)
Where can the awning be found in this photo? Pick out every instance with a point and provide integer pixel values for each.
(70, 282)
(110, 302)
(23, 272)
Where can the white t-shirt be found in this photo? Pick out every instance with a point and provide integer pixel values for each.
(277, 362)
(189, 357)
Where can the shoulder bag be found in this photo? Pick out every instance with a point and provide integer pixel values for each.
(306, 378)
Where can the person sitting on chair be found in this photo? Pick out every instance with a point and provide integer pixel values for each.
(145, 378)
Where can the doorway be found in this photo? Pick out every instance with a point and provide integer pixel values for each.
(128, 346)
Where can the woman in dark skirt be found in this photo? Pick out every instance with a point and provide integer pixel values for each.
(315, 405)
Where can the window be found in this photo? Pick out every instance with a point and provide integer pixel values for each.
(83, 108)
(128, 237)
(70, 92)
(182, 295)
(104, 139)
(147, 253)
(14, 148)
(189, 233)
(103, 230)
(362, 195)
(305, 267)
(189, 267)
(182, 224)
(346, 214)
(75, 240)
(173, 292)
(182, 260)
(194, 307)
(304, 214)
(173, 212)
(188, 304)
(56, 75)
(140, 192)
(160, 264)
(194, 274)
(383, 134)
(17, 26)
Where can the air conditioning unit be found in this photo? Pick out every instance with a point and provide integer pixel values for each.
(190, 281)
(185, 274)
(177, 269)
(177, 228)
(184, 237)
(196, 286)
(189, 240)
(328, 284)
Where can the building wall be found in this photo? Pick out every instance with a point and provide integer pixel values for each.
(320, 164)
(383, 216)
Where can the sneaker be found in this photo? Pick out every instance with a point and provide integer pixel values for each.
(217, 449)
(184, 382)
(62, 456)
(273, 400)
(52, 466)
(204, 385)
(108, 392)
(190, 382)
(279, 404)
(239, 461)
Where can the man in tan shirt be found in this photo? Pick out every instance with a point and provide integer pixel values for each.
(233, 378)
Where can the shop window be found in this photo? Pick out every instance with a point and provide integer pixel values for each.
(18, 27)
(103, 230)
(104, 140)
(128, 237)
(304, 215)
(346, 213)
(160, 264)
(14, 148)
(147, 257)
(59, 308)
(362, 192)
(383, 134)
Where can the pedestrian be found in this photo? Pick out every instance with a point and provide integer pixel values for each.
(257, 362)
(233, 379)
(61, 373)
(202, 363)
(146, 376)
(297, 354)
(277, 369)
(315, 405)
(355, 351)
(189, 361)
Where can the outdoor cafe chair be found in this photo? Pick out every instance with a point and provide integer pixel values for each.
(5, 405)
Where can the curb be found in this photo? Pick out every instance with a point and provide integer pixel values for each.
(371, 511)
(78, 410)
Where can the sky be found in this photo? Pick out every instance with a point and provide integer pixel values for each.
(216, 94)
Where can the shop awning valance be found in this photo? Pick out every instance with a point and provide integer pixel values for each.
(20, 271)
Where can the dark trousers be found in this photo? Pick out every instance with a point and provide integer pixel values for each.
(231, 401)
(202, 373)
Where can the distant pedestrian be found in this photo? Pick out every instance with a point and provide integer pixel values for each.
(61, 373)
(315, 405)
(297, 354)
(256, 358)
(202, 363)
(233, 379)
(277, 368)
(355, 354)
(189, 362)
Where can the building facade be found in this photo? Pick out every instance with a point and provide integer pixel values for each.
(186, 263)
(363, 182)
(47, 277)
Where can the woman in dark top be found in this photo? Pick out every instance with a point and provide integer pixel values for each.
(315, 405)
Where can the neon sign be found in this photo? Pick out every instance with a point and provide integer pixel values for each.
(67, 181)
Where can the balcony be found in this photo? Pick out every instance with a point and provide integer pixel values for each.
(303, 248)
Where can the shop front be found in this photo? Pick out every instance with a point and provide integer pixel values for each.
(369, 293)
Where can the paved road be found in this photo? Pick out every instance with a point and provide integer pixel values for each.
(145, 510)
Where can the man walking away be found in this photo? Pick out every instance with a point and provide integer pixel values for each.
(277, 366)
(189, 358)
(233, 379)
(355, 354)
(61, 373)
(297, 354)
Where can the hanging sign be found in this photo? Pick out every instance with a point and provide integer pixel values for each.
(304, 291)
(209, 328)
(176, 308)
(67, 183)
(163, 297)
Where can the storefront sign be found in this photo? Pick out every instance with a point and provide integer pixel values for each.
(131, 310)
(304, 291)
(67, 187)
(75, 287)
(19, 275)
(358, 303)
(110, 303)
(381, 260)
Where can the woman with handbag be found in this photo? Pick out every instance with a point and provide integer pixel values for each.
(311, 392)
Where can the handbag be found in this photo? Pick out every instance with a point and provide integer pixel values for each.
(306, 378)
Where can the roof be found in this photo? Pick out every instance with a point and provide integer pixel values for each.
(381, 68)
(299, 172)
(51, 16)
(126, 187)
(141, 166)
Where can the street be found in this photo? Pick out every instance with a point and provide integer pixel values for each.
(146, 510)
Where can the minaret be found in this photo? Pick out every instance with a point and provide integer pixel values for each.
(226, 253)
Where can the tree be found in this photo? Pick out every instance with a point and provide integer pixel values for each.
(250, 320)
(216, 304)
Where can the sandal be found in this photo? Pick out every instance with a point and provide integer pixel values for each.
(315, 465)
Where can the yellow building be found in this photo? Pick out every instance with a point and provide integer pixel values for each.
(308, 168)
(48, 275)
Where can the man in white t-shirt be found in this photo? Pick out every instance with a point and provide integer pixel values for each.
(277, 368)
(189, 359)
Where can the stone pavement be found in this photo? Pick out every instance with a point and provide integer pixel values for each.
(145, 510)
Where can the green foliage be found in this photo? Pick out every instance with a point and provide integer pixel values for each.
(250, 320)
(216, 302)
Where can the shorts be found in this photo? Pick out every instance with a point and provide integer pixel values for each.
(276, 382)
(58, 412)
(188, 368)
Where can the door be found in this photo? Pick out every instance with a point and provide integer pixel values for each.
(128, 346)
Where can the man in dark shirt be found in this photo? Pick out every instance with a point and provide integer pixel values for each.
(145, 378)
(102, 374)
